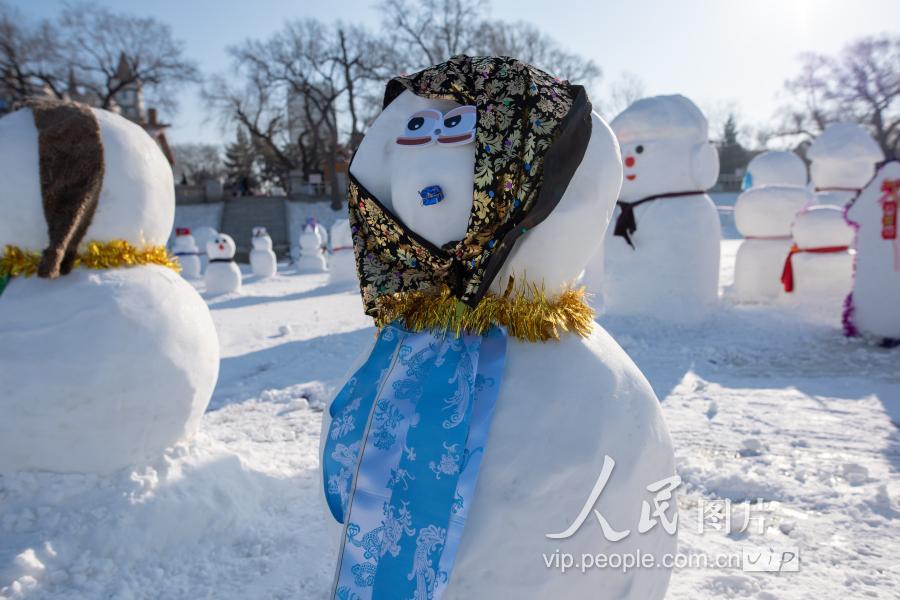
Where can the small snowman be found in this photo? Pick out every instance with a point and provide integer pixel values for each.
(342, 264)
(223, 276)
(467, 260)
(312, 254)
(819, 265)
(185, 249)
(262, 259)
(775, 191)
(110, 355)
(662, 256)
(873, 309)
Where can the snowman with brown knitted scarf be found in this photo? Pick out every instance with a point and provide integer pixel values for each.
(492, 419)
(108, 354)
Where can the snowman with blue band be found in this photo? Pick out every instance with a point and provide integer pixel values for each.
(490, 414)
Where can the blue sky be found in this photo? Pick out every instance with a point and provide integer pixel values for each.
(724, 54)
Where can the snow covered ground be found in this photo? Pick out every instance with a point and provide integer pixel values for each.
(769, 408)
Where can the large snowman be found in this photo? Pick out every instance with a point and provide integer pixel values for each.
(873, 309)
(775, 191)
(819, 266)
(662, 256)
(575, 425)
(109, 356)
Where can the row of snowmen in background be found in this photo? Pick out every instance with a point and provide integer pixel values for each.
(661, 255)
(222, 275)
(796, 237)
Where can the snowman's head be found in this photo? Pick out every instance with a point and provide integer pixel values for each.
(775, 167)
(418, 144)
(843, 156)
(419, 159)
(665, 148)
(221, 246)
(184, 241)
(137, 194)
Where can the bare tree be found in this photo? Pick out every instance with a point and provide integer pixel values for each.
(426, 32)
(29, 57)
(198, 163)
(96, 40)
(622, 93)
(297, 85)
(526, 42)
(101, 50)
(862, 84)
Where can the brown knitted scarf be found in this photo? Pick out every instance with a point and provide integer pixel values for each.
(71, 168)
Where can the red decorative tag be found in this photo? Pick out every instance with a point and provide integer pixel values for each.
(889, 220)
(891, 189)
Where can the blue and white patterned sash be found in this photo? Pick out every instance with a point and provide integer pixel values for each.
(418, 413)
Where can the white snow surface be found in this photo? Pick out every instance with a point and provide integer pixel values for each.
(765, 402)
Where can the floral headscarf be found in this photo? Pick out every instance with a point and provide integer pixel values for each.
(531, 133)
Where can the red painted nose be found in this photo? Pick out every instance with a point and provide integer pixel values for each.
(629, 161)
(221, 246)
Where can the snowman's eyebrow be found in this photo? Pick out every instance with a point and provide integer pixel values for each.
(427, 113)
(460, 110)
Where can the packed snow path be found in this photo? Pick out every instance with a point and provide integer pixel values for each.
(763, 403)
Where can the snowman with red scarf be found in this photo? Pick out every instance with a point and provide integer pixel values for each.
(819, 265)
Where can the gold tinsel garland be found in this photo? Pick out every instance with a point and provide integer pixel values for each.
(15, 262)
(526, 312)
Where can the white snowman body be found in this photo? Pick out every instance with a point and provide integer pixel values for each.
(110, 366)
(843, 161)
(763, 214)
(672, 273)
(823, 269)
(563, 406)
(312, 257)
(262, 259)
(223, 276)
(185, 250)
(342, 265)
(876, 285)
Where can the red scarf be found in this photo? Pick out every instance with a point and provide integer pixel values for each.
(787, 274)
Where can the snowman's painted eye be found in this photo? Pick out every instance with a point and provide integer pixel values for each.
(459, 126)
(420, 127)
(639, 149)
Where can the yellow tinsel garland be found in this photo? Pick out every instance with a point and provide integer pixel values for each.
(15, 262)
(526, 312)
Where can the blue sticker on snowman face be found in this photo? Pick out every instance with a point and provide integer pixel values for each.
(747, 182)
(431, 195)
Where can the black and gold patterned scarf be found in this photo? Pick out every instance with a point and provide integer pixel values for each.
(531, 133)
